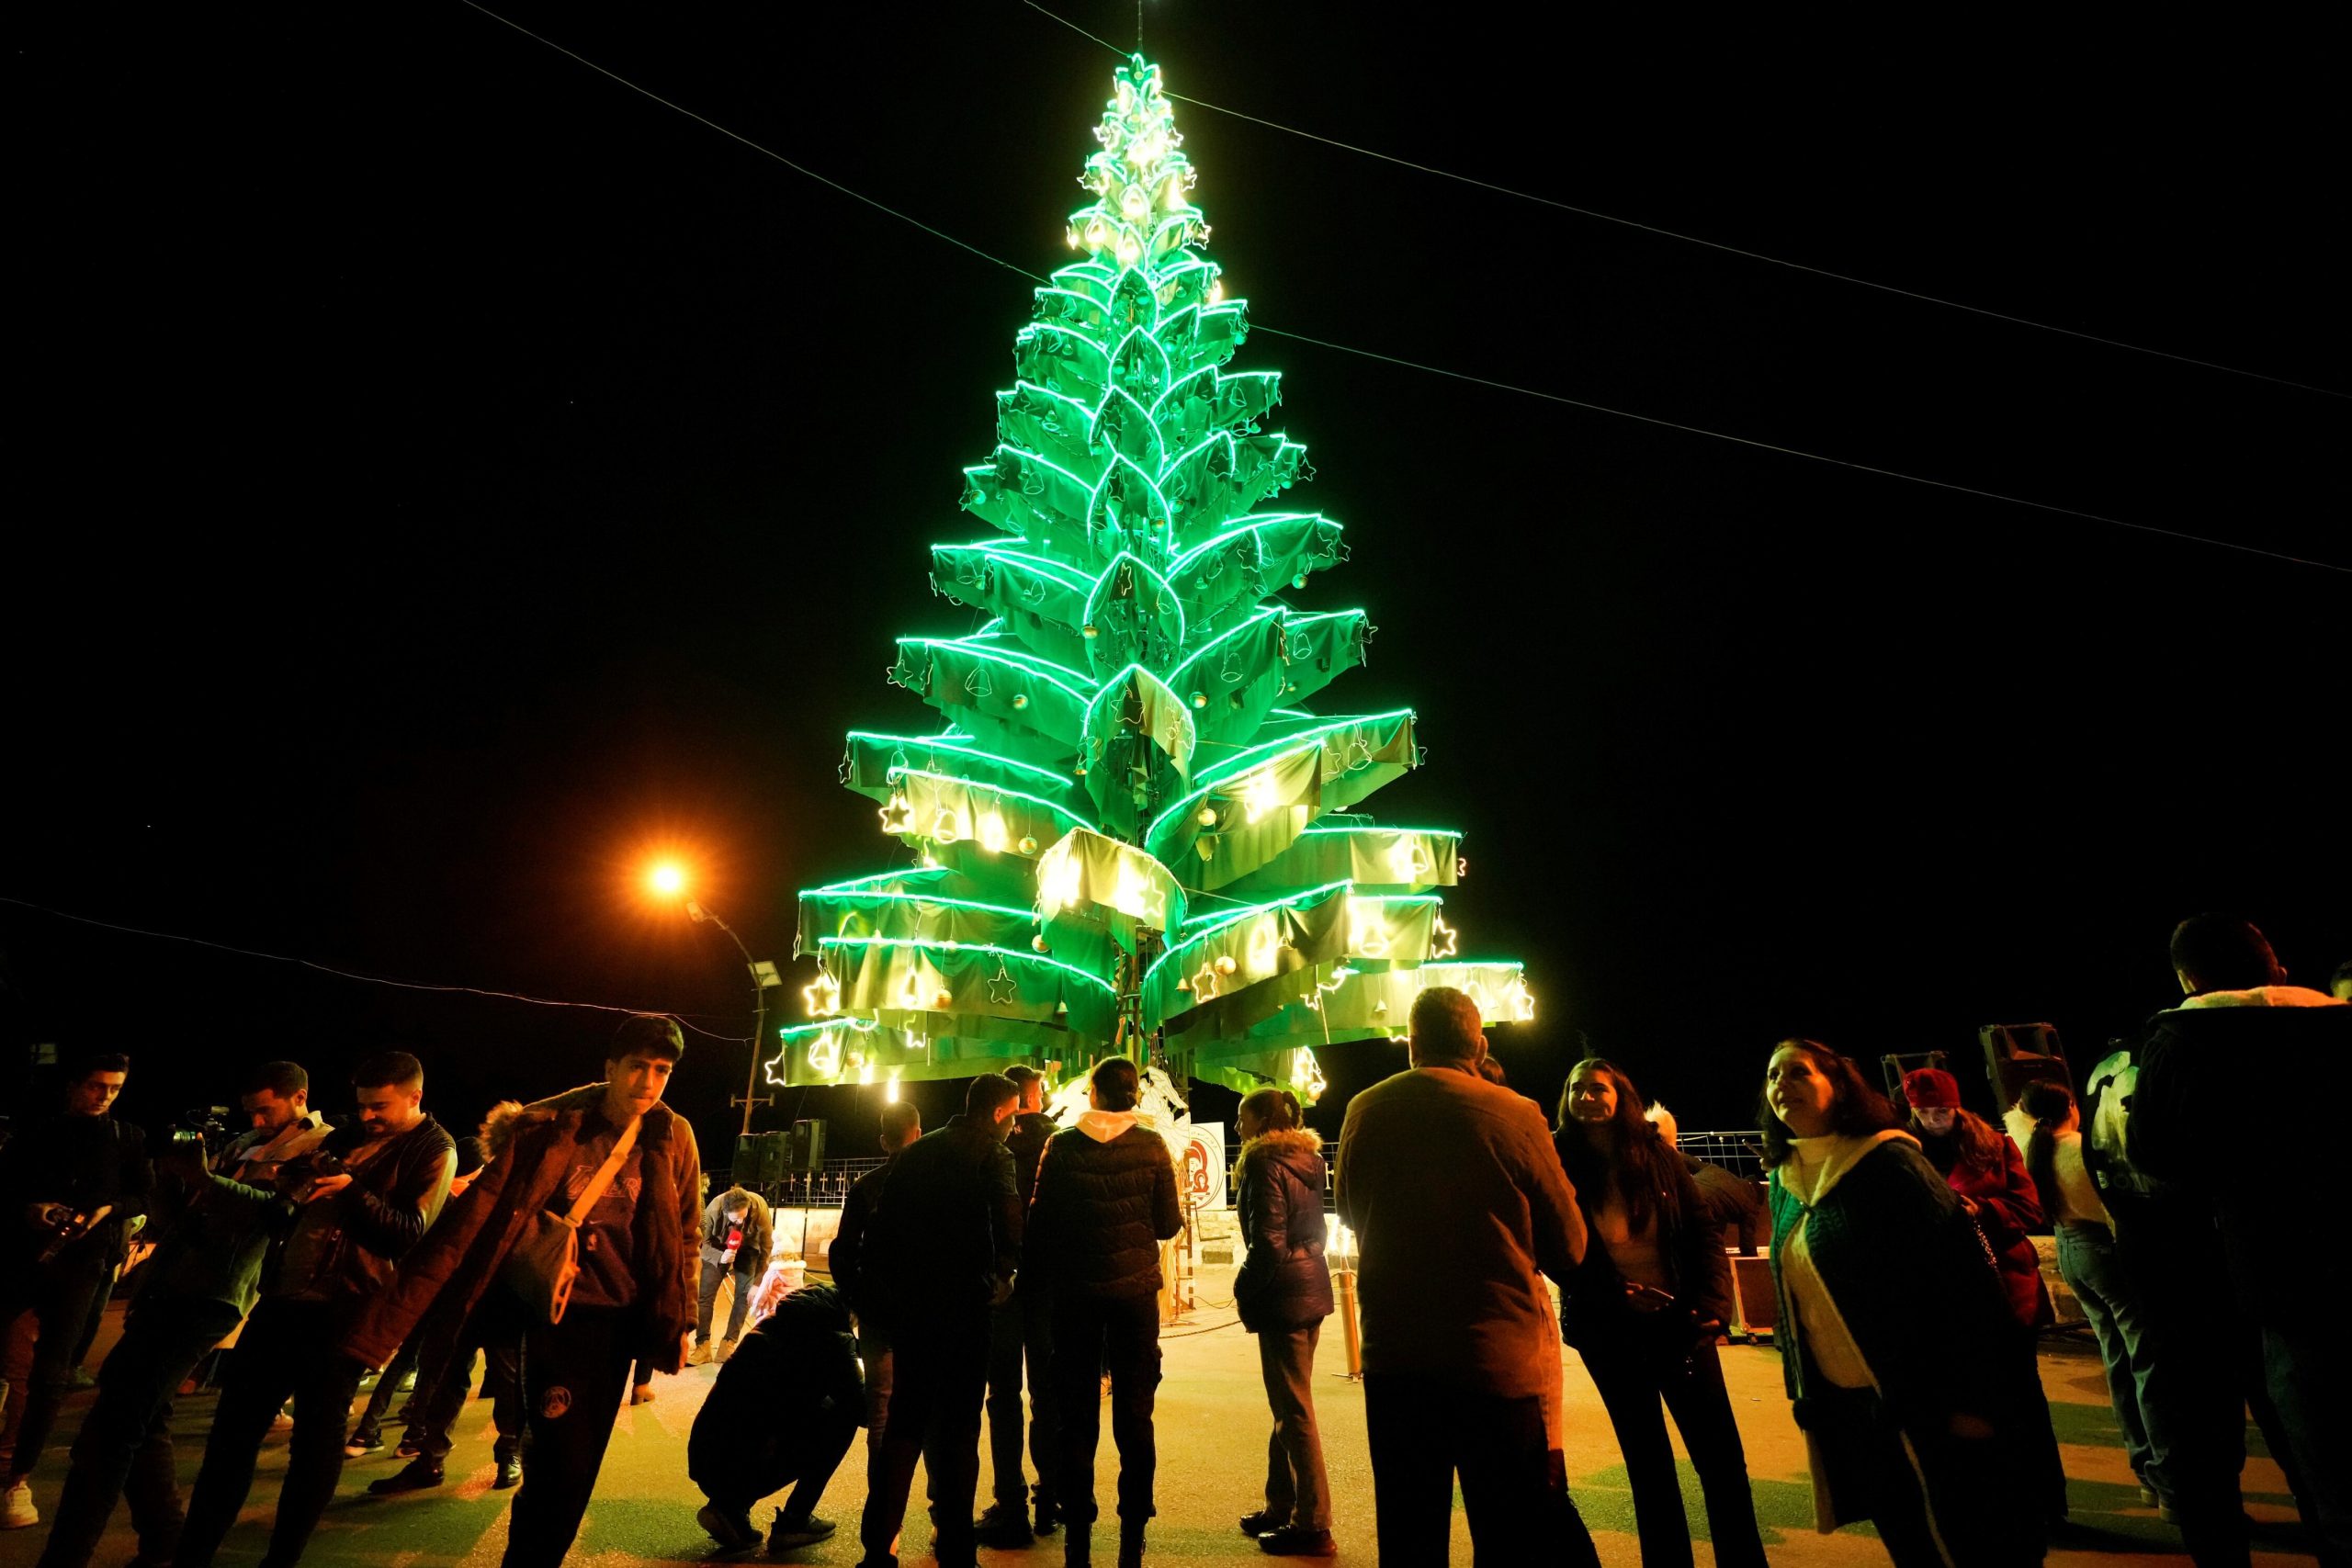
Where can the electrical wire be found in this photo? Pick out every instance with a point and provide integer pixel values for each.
(1710, 245)
(367, 979)
(1436, 370)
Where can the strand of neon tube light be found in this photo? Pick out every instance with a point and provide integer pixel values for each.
(365, 979)
(1710, 245)
(1436, 370)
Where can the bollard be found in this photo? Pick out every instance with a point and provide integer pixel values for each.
(1343, 1290)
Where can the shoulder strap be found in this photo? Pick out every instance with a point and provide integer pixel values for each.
(604, 1173)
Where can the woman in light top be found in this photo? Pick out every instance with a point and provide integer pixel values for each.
(2049, 1124)
(1895, 1334)
(1644, 1310)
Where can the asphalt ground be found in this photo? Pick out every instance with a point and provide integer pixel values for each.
(1211, 1426)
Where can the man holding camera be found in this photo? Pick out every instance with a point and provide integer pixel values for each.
(358, 1201)
(76, 1181)
(214, 1219)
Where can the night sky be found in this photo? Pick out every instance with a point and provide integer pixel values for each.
(444, 477)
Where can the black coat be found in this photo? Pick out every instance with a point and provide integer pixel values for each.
(1031, 1129)
(1107, 1198)
(1283, 1282)
(1690, 1244)
(794, 1370)
(946, 1230)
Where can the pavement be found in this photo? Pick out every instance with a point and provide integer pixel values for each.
(1211, 1426)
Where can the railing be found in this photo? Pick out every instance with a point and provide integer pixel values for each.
(1741, 1153)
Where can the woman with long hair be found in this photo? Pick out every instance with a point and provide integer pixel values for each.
(1283, 1291)
(1988, 1172)
(2052, 1127)
(1895, 1329)
(1644, 1310)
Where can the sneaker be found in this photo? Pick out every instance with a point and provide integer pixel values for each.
(1294, 1540)
(1049, 1517)
(363, 1441)
(1257, 1522)
(510, 1473)
(415, 1476)
(83, 1377)
(17, 1510)
(733, 1532)
(726, 1350)
(702, 1355)
(1003, 1525)
(791, 1535)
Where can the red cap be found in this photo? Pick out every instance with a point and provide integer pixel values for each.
(1931, 1088)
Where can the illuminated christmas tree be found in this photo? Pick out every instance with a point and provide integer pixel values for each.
(1136, 826)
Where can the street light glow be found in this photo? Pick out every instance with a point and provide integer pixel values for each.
(668, 879)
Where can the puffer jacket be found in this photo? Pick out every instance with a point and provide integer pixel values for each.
(534, 1149)
(1107, 1198)
(1283, 1282)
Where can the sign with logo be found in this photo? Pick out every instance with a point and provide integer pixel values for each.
(1205, 1165)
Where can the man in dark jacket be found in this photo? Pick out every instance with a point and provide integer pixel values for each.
(633, 1299)
(939, 1255)
(214, 1228)
(1734, 1204)
(2241, 1016)
(1022, 1329)
(901, 1125)
(365, 1197)
(735, 1240)
(70, 1187)
(1460, 1208)
(1107, 1198)
(781, 1415)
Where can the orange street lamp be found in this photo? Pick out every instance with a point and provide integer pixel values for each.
(667, 879)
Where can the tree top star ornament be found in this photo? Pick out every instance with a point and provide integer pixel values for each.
(1131, 832)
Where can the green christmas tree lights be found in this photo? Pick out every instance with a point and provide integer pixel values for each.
(1133, 827)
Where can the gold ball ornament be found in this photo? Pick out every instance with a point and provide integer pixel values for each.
(1028, 845)
(1224, 963)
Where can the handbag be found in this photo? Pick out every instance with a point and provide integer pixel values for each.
(545, 1259)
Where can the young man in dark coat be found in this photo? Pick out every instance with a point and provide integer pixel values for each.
(1107, 1198)
(901, 1125)
(1022, 1330)
(782, 1413)
(634, 1298)
(353, 1224)
(2241, 1017)
(939, 1255)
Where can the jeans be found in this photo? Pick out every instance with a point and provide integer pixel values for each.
(1422, 1431)
(1649, 1362)
(2087, 1263)
(713, 1274)
(575, 1374)
(288, 1348)
(1120, 1334)
(2304, 1367)
(387, 1386)
(939, 1373)
(1297, 1493)
(1020, 1331)
(125, 1444)
(62, 1293)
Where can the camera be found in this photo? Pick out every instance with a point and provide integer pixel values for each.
(295, 1177)
(204, 1127)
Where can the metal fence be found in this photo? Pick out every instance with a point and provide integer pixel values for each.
(1741, 1153)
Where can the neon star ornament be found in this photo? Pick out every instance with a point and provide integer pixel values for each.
(1134, 657)
(1444, 941)
(822, 994)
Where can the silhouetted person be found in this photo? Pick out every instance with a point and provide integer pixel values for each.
(1022, 1331)
(2242, 1019)
(1107, 1198)
(901, 1125)
(940, 1253)
(782, 1413)
(1460, 1209)
(1734, 1204)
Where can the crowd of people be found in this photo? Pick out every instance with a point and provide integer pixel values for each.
(569, 1244)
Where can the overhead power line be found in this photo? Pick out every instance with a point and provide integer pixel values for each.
(1432, 369)
(1711, 244)
(366, 979)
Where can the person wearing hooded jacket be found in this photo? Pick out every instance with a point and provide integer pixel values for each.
(2241, 1017)
(782, 1413)
(1284, 1291)
(1107, 1198)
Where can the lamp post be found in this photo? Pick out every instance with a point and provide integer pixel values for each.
(669, 881)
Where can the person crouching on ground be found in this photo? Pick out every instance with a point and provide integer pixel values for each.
(782, 1413)
(633, 1298)
(1895, 1333)
(1107, 1198)
(1283, 1291)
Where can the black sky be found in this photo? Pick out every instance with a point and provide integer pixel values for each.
(443, 474)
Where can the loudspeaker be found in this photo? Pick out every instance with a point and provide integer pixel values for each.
(808, 1148)
(758, 1159)
(2018, 1053)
